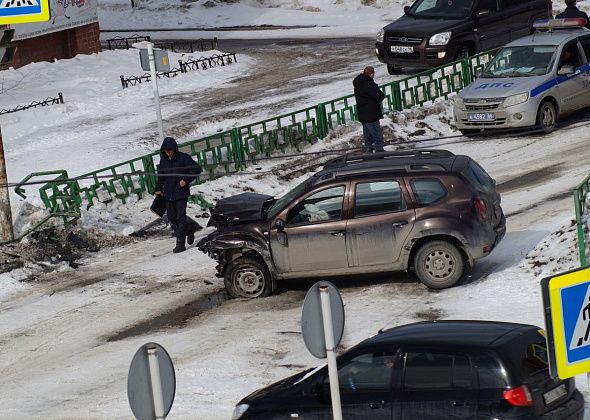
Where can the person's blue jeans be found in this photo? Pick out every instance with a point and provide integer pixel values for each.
(373, 137)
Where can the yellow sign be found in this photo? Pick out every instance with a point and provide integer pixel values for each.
(566, 299)
(23, 11)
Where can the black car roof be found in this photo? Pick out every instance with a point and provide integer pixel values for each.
(456, 333)
(411, 161)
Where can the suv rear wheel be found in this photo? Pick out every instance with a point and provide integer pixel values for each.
(248, 277)
(439, 264)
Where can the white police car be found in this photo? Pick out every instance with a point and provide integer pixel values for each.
(531, 81)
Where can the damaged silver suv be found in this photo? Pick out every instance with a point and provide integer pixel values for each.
(429, 210)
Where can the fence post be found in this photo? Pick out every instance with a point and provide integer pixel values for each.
(396, 94)
(239, 154)
(466, 70)
(149, 169)
(181, 64)
(580, 228)
(123, 82)
(60, 97)
(126, 43)
(322, 120)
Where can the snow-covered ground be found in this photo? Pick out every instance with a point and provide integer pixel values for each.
(67, 338)
(328, 18)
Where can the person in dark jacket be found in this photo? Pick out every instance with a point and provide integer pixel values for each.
(368, 101)
(175, 173)
(572, 11)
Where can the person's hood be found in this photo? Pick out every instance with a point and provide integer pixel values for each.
(169, 143)
(360, 79)
(238, 209)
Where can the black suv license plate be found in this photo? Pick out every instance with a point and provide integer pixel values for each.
(481, 116)
(555, 394)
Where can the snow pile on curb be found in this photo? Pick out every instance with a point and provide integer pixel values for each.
(556, 253)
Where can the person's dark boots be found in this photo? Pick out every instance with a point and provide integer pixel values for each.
(190, 239)
(179, 246)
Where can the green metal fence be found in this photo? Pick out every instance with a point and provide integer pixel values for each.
(582, 209)
(232, 151)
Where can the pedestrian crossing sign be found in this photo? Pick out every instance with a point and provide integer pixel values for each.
(23, 11)
(566, 300)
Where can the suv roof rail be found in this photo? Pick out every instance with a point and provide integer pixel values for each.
(350, 158)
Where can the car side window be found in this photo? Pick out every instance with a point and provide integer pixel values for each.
(491, 5)
(570, 56)
(369, 372)
(425, 370)
(323, 206)
(428, 191)
(586, 47)
(478, 176)
(377, 198)
(509, 4)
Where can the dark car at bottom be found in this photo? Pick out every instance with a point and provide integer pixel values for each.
(430, 371)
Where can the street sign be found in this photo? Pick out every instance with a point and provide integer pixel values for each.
(311, 319)
(151, 383)
(23, 11)
(566, 299)
(160, 57)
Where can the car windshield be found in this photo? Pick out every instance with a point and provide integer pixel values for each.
(282, 202)
(441, 9)
(525, 61)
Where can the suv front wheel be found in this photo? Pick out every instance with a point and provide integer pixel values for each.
(248, 277)
(439, 264)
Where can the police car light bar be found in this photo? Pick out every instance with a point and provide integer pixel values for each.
(560, 23)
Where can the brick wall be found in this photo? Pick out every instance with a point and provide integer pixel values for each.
(64, 44)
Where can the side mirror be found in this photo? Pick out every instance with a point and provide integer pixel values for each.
(566, 70)
(407, 9)
(280, 225)
(483, 13)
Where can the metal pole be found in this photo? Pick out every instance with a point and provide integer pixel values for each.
(156, 383)
(150, 48)
(6, 232)
(331, 353)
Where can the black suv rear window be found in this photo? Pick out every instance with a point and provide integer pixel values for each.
(478, 176)
(428, 191)
(536, 360)
(425, 370)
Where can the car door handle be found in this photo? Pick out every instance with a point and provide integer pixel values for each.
(377, 405)
(459, 403)
(338, 233)
(399, 224)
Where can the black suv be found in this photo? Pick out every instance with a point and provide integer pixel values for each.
(436, 32)
(430, 371)
(428, 209)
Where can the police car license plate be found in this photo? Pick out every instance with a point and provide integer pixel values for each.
(481, 116)
(555, 394)
(400, 49)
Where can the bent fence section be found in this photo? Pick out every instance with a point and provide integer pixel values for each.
(582, 209)
(233, 150)
(59, 99)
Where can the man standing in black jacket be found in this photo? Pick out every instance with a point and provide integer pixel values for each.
(572, 11)
(368, 102)
(175, 173)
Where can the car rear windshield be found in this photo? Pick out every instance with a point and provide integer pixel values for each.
(478, 177)
(524, 61)
(441, 9)
(535, 361)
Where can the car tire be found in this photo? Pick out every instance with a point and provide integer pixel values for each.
(394, 70)
(439, 264)
(248, 277)
(464, 52)
(546, 117)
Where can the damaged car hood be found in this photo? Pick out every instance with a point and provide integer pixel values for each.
(241, 208)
